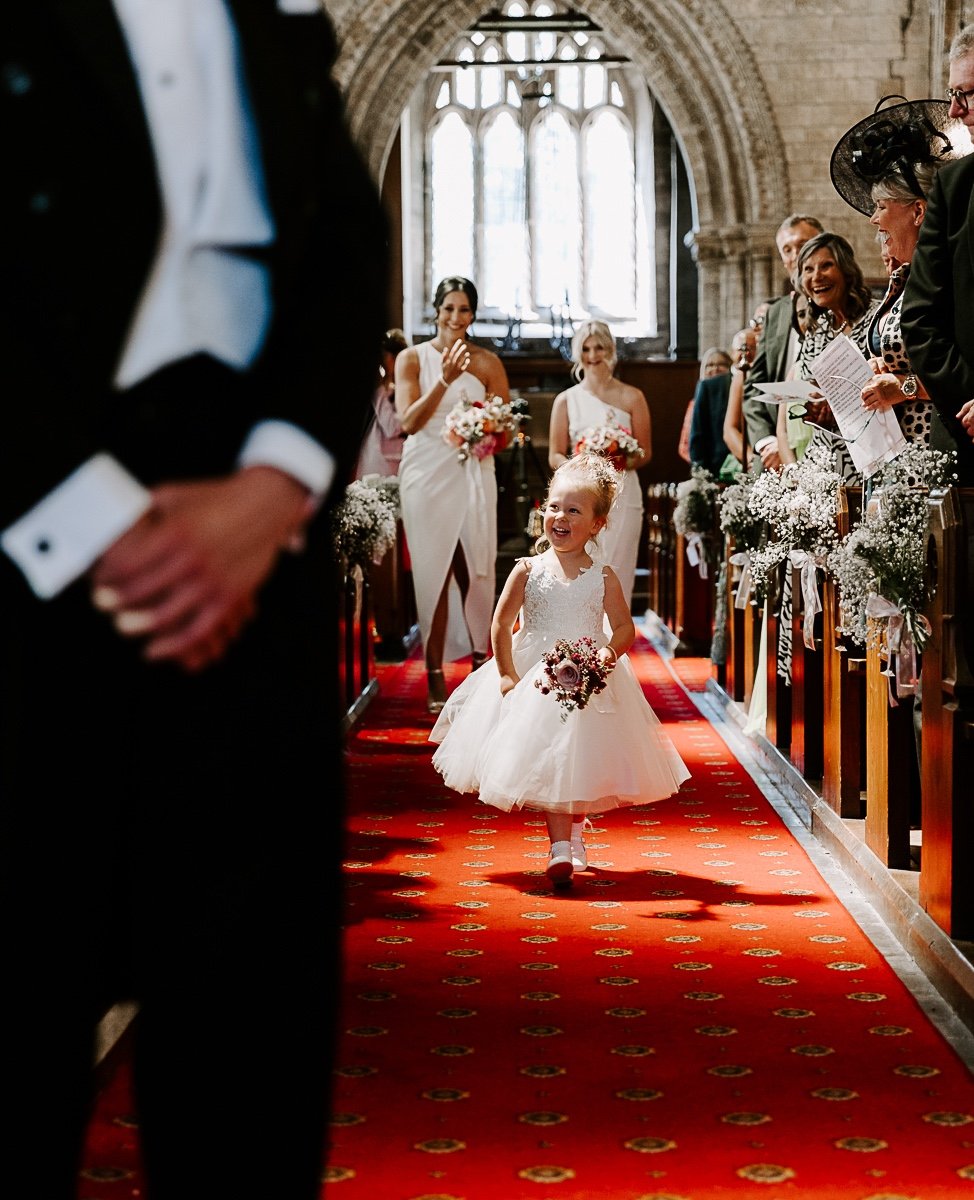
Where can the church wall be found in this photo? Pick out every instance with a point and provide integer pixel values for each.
(757, 96)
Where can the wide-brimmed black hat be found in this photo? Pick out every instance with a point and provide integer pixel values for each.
(891, 142)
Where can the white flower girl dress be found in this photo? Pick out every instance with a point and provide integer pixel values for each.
(517, 751)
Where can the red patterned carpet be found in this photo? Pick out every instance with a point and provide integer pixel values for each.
(697, 1018)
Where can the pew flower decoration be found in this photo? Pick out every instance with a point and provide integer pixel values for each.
(612, 441)
(800, 504)
(695, 516)
(737, 519)
(480, 428)
(573, 673)
(880, 566)
(363, 525)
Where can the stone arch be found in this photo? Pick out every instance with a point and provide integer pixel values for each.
(701, 71)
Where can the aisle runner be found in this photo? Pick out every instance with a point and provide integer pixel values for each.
(697, 1018)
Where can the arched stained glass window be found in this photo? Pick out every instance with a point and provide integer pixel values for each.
(557, 227)
(505, 273)
(610, 214)
(536, 162)
(452, 192)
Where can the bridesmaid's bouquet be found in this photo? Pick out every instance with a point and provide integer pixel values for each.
(613, 441)
(573, 673)
(480, 428)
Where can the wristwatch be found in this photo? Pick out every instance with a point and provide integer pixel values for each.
(910, 386)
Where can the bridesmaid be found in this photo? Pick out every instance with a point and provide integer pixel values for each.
(449, 508)
(599, 399)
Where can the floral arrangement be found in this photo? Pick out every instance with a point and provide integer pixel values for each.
(800, 505)
(363, 526)
(480, 428)
(737, 516)
(573, 673)
(696, 500)
(613, 441)
(880, 567)
(737, 519)
(695, 514)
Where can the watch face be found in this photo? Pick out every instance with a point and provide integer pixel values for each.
(909, 386)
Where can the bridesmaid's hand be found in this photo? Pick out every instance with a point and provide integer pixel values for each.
(455, 361)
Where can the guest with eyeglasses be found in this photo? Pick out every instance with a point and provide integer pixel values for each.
(939, 296)
(885, 166)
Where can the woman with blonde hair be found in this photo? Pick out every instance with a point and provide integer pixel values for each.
(598, 400)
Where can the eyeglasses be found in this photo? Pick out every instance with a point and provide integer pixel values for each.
(960, 97)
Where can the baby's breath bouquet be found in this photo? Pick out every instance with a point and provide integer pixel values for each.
(363, 526)
(737, 519)
(695, 515)
(800, 505)
(880, 567)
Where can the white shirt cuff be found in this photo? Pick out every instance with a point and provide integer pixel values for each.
(760, 444)
(66, 532)
(283, 445)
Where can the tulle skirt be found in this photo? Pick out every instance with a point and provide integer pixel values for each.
(518, 752)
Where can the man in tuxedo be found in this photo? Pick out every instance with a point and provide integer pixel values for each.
(193, 292)
(939, 294)
(777, 345)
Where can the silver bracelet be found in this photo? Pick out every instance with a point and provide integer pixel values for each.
(442, 382)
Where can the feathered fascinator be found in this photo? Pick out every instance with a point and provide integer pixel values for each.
(890, 144)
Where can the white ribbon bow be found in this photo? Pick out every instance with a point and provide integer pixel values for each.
(902, 648)
(807, 564)
(696, 555)
(745, 584)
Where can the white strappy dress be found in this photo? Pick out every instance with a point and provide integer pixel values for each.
(446, 503)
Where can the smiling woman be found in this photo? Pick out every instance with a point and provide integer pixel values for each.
(449, 508)
(885, 167)
(840, 302)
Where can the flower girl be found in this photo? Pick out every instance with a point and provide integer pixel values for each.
(557, 720)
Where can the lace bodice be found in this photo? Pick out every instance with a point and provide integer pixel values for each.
(555, 609)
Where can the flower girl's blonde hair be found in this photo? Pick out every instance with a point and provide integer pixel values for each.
(596, 475)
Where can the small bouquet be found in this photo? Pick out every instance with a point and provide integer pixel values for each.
(479, 428)
(573, 673)
(612, 441)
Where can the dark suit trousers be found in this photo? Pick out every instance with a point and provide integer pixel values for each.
(175, 839)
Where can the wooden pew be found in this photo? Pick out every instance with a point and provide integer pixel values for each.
(777, 726)
(947, 759)
(890, 746)
(843, 688)
(807, 690)
(356, 658)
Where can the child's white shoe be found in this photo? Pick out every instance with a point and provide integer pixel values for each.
(560, 864)
(579, 855)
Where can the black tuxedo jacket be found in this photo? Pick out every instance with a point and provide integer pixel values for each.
(938, 304)
(79, 224)
(770, 366)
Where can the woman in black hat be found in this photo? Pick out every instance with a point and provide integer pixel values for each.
(884, 167)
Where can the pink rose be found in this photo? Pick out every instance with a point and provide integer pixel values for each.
(567, 674)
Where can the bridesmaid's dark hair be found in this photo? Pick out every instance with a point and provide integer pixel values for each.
(455, 283)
